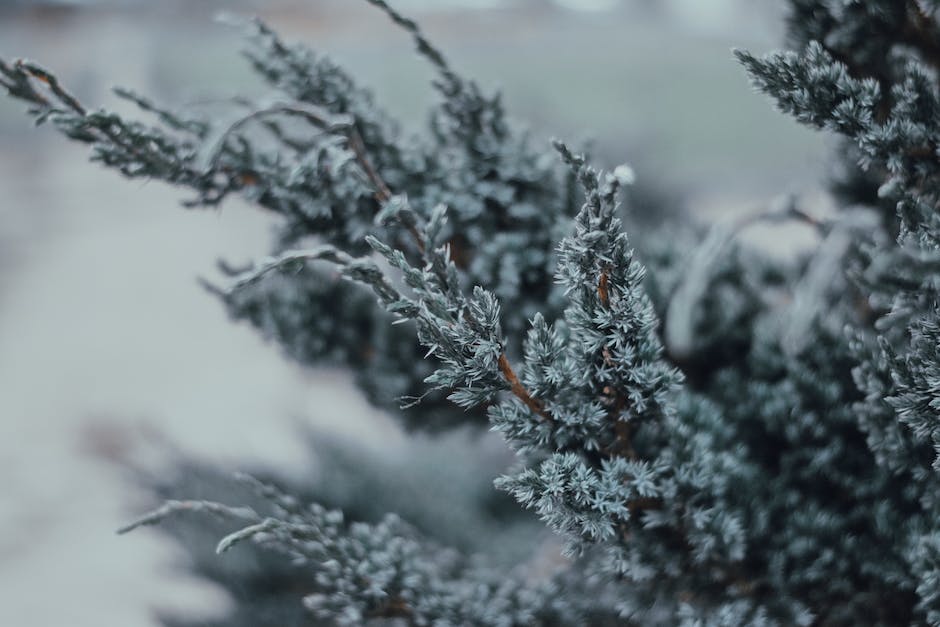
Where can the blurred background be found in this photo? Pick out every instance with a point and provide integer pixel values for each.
(106, 340)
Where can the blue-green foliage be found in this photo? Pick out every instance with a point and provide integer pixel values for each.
(869, 73)
(724, 439)
(364, 571)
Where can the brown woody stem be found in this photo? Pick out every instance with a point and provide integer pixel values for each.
(519, 390)
(602, 288)
(382, 192)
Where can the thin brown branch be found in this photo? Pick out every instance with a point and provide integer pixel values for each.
(394, 607)
(624, 443)
(382, 192)
(48, 79)
(519, 390)
(602, 288)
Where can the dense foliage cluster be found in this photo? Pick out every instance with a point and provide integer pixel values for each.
(720, 439)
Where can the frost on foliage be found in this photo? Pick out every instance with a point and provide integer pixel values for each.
(616, 460)
(597, 372)
(360, 572)
(322, 155)
(773, 461)
(916, 396)
(869, 72)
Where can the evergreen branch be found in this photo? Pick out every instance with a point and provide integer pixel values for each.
(363, 571)
(321, 119)
(247, 533)
(367, 272)
(361, 270)
(314, 115)
(792, 481)
(22, 69)
(174, 120)
(817, 90)
(172, 508)
(316, 185)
